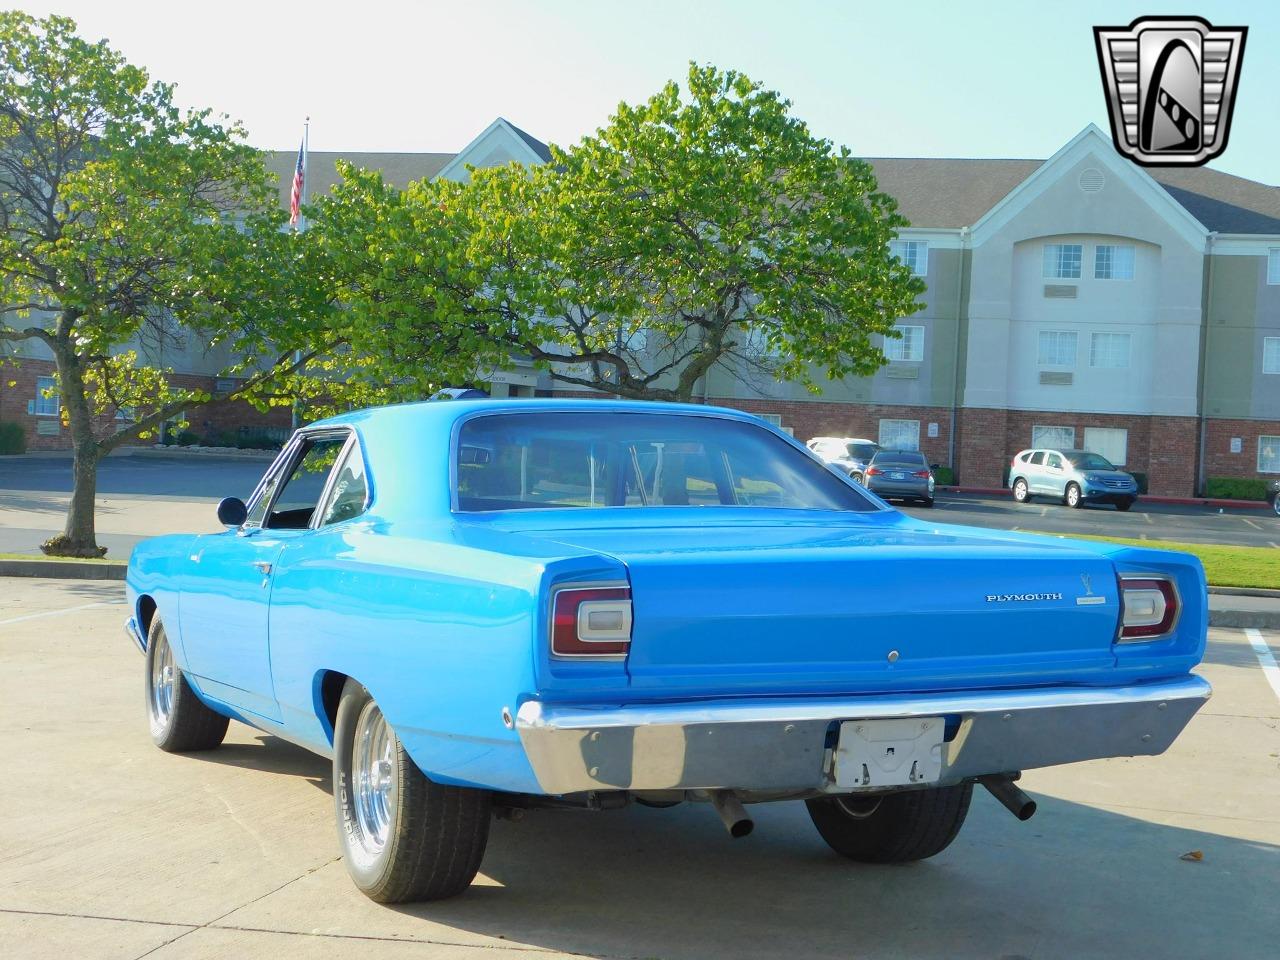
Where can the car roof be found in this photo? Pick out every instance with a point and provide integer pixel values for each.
(900, 453)
(840, 440)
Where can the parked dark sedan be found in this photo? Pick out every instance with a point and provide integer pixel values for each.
(900, 475)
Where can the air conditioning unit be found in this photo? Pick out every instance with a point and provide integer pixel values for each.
(1060, 291)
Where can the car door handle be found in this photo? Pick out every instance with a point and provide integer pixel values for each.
(264, 566)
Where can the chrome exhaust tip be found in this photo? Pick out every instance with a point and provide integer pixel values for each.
(732, 814)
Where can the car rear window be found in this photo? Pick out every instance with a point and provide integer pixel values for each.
(901, 458)
(527, 461)
(862, 451)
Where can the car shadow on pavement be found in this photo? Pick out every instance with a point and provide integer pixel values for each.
(268, 754)
(1077, 881)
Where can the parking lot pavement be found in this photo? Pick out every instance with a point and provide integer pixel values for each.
(1146, 521)
(111, 849)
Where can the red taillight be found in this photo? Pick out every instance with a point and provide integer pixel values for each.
(872, 472)
(591, 622)
(1149, 608)
(922, 474)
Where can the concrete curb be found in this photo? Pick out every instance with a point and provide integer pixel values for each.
(1241, 619)
(62, 569)
(1147, 497)
(1245, 592)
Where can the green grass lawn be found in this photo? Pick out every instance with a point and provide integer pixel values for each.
(1223, 566)
(42, 557)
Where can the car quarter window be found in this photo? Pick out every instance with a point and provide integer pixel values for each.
(538, 460)
(304, 483)
(349, 491)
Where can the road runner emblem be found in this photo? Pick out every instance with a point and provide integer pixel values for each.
(1090, 598)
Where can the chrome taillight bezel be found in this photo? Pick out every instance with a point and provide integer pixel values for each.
(1167, 625)
(567, 614)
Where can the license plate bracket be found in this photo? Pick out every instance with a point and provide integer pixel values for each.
(898, 752)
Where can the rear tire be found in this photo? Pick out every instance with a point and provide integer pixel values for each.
(403, 836)
(906, 826)
(180, 722)
(1021, 492)
(1073, 497)
(855, 476)
(927, 503)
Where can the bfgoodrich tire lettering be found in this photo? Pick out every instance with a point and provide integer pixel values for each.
(911, 825)
(180, 723)
(403, 836)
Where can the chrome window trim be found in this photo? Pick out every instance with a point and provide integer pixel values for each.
(352, 443)
(874, 504)
(284, 463)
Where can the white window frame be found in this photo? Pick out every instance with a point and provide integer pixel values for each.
(911, 425)
(913, 254)
(1113, 260)
(1053, 261)
(46, 406)
(1093, 350)
(1043, 439)
(1271, 355)
(909, 348)
(1272, 445)
(1060, 335)
(1273, 266)
(1108, 446)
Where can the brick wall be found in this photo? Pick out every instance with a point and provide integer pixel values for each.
(1164, 448)
(205, 421)
(1219, 461)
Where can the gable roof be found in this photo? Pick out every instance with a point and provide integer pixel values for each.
(534, 144)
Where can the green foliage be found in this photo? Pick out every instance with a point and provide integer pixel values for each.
(12, 438)
(186, 438)
(1236, 488)
(705, 226)
(944, 476)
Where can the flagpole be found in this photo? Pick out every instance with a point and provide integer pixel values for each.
(302, 225)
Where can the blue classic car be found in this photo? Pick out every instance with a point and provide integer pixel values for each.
(479, 607)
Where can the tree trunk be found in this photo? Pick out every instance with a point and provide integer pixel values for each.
(79, 538)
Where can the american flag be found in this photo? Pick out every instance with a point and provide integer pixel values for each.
(295, 197)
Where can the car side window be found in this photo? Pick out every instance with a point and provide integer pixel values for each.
(349, 491)
(1037, 458)
(302, 488)
(1054, 461)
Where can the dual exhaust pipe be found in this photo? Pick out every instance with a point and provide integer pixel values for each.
(735, 819)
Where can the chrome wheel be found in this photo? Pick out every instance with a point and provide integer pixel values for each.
(161, 681)
(1073, 495)
(1020, 491)
(373, 767)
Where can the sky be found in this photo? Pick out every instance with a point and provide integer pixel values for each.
(918, 79)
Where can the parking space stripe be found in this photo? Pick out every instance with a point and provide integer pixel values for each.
(1270, 669)
(1251, 523)
(55, 613)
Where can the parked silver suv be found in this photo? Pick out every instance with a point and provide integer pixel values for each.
(850, 455)
(1075, 477)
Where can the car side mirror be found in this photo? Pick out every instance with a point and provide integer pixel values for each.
(232, 512)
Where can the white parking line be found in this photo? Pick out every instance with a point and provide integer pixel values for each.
(55, 613)
(1147, 517)
(1251, 523)
(1270, 669)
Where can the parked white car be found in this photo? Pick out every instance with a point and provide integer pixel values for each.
(848, 454)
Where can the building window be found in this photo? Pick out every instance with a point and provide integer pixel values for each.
(1271, 354)
(46, 403)
(910, 347)
(1269, 454)
(1113, 262)
(913, 254)
(1273, 265)
(1109, 350)
(1057, 348)
(900, 434)
(1062, 261)
(1057, 438)
(1109, 442)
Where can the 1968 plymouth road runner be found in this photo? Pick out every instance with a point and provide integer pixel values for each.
(480, 607)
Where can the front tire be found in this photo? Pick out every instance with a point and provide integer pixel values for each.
(1021, 492)
(927, 503)
(1123, 505)
(1275, 504)
(856, 477)
(1073, 496)
(899, 828)
(403, 836)
(180, 722)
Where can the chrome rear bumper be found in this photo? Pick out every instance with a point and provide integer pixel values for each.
(783, 745)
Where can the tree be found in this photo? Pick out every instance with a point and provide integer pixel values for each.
(126, 223)
(699, 230)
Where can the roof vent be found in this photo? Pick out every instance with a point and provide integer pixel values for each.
(1092, 180)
